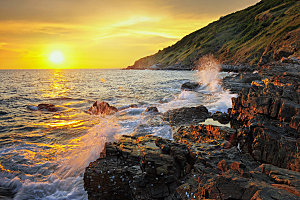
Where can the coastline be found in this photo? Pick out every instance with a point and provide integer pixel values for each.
(256, 158)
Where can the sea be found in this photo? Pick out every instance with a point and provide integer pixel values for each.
(43, 154)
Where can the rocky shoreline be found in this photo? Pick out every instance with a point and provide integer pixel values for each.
(256, 158)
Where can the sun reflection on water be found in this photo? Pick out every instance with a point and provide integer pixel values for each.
(58, 85)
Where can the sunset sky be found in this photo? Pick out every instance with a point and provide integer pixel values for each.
(99, 33)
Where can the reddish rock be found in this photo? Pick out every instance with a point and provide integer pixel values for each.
(102, 108)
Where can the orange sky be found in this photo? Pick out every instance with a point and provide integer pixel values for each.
(99, 33)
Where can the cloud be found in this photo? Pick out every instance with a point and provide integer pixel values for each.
(94, 31)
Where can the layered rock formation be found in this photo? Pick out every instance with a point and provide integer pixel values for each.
(268, 114)
(200, 167)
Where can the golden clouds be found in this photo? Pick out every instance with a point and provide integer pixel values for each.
(93, 34)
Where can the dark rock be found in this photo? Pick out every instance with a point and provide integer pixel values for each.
(6, 193)
(291, 60)
(47, 107)
(183, 116)
(249, 77)
(237, 82)
(237, 68)
(268, 115)
(137, 168)
(3, 113)
(102, 108)
(151, 109)
(190, 86)
(222, 172)
(221, 117)
(127, 106)
(200, 165)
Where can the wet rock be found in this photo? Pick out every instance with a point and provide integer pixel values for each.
(151, 109)
(237, 82)
(221, 117)
(127, 106)
(150, 167)
(102, 108)
(281, 176)
(47, 107)
(6, 193)
(186, 115)
(137, 168)
(190, 86)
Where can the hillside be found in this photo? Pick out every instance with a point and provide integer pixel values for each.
(257, 35)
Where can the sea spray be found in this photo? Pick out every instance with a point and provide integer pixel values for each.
(88, 147)
(66, 182)
(209, 76)
(208, 72)
(210, 94)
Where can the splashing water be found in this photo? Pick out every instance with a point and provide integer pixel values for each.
(211, 94)
(208, 72)
(209, 76)
(43, 155)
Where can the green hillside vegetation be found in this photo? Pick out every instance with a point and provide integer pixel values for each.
(259, 34)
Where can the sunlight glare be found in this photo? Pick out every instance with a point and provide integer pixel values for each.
(57, 57)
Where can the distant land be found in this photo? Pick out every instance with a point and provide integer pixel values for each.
(261, 34)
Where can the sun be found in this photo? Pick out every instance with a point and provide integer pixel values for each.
(56, 57)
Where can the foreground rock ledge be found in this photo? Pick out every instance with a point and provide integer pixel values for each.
(149, 167)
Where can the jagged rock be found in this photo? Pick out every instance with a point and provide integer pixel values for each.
(204, 133)
(182, 116)
(154, 168)
(237, 68)
(102, 108)
(190, 86)
(138, 168)
(237, 82)
(222, 172)
(221, 117)
(268, 117)
(291, 60)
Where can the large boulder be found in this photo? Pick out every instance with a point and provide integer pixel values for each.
(190, 86)
(221, 117)
(102, 108)
(186, 115)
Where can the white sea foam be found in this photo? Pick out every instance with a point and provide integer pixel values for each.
(209, 75)
(66, 182)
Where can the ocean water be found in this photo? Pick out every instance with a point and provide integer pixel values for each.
(43, 154)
